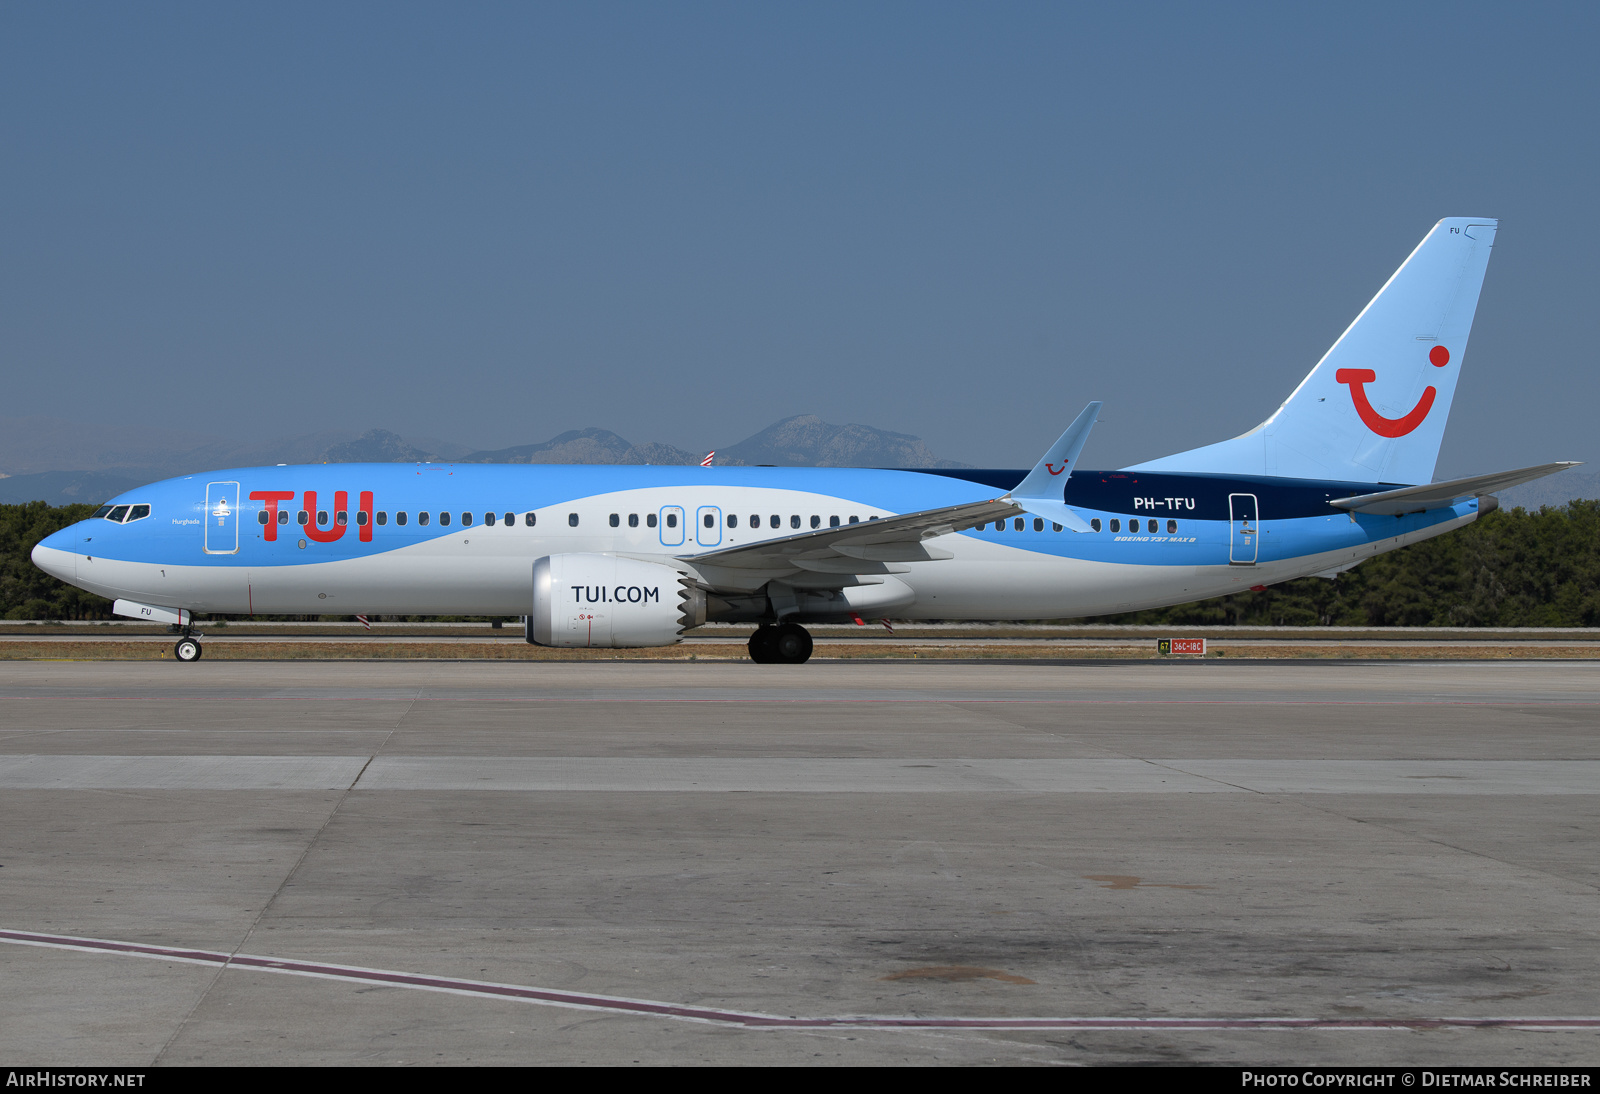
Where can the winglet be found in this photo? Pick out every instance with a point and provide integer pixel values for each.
(1048, 479)
(1043, 492)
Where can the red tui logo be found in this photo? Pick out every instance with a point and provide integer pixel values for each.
(1358, 378)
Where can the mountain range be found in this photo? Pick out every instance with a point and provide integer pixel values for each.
(61, 461)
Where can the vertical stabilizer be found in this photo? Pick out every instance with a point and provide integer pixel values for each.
(1374, 408)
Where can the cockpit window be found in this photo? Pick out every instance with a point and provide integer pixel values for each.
(118, 513)
(100, 512)
(138, 512)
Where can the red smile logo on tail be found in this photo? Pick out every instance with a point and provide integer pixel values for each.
(1357, 378)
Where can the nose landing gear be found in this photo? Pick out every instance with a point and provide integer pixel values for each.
(188, 647)
(784, 644)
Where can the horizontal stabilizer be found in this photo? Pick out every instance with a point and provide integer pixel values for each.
(1439, 495)
(1049, 476)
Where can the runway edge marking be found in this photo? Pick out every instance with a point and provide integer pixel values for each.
(617, 1004)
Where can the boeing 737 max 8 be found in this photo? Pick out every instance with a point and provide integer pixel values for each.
(633, 556)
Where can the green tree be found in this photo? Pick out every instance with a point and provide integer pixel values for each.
(1509, 569)
(27, 592)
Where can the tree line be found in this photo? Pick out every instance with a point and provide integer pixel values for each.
(1512, 568)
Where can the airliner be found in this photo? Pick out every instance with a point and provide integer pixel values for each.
(612, 557)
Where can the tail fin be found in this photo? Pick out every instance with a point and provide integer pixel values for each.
(1374, 408)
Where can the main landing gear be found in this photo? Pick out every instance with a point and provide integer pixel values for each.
(784, 644)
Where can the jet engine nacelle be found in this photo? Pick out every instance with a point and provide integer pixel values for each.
(606, 602)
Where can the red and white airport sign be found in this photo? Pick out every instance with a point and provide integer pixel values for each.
(1182, 645)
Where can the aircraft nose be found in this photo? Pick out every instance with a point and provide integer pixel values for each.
(57, 554)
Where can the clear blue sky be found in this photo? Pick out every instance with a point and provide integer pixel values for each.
(490, 223)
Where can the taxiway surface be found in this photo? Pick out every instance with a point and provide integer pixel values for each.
(392, 862)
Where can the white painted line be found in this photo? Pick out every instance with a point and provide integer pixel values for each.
(618, 1004)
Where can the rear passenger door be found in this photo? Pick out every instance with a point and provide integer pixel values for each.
(1244, 531)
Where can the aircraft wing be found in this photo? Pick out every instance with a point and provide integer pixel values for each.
(1437, 495)
(834, 556)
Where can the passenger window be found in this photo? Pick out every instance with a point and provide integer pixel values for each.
(283, 516)
(1054, 527)
(816, 521)
(444, 519)
(733, 520)
(1038, 524)
(855, 519)
(572, 520)
(777, 521)
(322, 516)
(530, 519)
(303, 517)
(616, 520)
(1017, 524)
(341, 518)
(833, 522)
(672, 520)
(510, 519)
(488, 520)
(422, 518)
(261, 517)
(383, 517)
(794, 521)
(1116, 525)
(400, 518)
(649, 520)
(1095, 524)
(1172, 527)
(633, 520)
(710, 521)
(466, 520)
(361, 518)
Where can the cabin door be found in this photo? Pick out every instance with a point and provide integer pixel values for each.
(222, 518)
(1244, 531)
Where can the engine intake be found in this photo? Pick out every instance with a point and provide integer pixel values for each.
(605, 602)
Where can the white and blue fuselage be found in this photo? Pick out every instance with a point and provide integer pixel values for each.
(462, 539)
